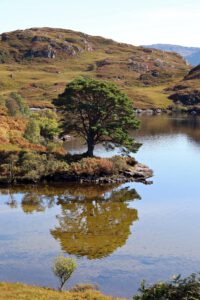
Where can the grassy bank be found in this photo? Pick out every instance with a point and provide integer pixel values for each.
(13, 291)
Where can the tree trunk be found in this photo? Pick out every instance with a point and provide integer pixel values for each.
(61, 286)
(90, 151)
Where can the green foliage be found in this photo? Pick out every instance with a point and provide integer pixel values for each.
(16, 105)
(63, 268)
(32, 131)
(49, 128)
(23, 108)
(42, 127)
(99, 112)
(177, 289)
(30, 166)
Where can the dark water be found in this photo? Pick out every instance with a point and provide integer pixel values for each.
(118, 234)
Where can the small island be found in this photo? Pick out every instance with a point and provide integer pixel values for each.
(99, 113)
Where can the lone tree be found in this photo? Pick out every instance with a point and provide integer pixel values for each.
(99, 112)
(63, 268)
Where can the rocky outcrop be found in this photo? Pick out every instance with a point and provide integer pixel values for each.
(193, 74)
(187, 98)
(43, 53)
(136, 66)
(102, 63)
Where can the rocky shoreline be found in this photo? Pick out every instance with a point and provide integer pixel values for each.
(139, 173)
(170, 111)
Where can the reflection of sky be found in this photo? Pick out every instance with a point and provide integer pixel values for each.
(165, 240)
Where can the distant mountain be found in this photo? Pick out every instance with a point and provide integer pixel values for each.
(191, 54)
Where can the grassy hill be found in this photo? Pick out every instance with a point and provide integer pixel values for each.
(37, 63)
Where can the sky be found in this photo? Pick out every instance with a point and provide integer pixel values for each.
(137, 22)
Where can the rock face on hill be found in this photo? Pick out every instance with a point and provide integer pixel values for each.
(42, 43)
(193, 74)
(187, 93)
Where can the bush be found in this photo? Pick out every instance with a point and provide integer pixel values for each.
(16, 105)
(42, 128)
(63, 268)
(177, 289)
(23, 107)
(32, 131)
(92, 166)
(9, 167)
(12, 107)
(119, 164)
(49, 126)
(30, 166)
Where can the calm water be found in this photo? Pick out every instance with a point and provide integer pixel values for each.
(119, 234)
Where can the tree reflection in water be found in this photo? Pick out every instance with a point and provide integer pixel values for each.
(95, 224)
(94, 220)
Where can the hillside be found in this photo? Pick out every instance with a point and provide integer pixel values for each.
(187, 91)
(37, 63)
(191, 54)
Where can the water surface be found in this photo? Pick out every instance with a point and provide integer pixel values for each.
(119, 234)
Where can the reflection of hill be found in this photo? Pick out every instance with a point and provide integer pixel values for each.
(165, 125)
(95, 228)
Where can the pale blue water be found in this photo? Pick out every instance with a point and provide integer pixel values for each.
(164, 240)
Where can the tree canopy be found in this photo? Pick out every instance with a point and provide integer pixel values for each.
(99, 112)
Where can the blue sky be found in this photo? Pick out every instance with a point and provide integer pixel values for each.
(132, 21)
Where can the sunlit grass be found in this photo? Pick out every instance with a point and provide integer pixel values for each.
(20, 291)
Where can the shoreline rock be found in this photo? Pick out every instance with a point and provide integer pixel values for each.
(140, 173)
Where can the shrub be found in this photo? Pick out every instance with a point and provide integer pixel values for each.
(32, 131)
(49, 126)
(42, 128)
(23, 107)
(92, 166)
(177, 289)
(16, 105)
(9, 168)
(12, 107)
(63, 268)
(30, 166)
(119, 164)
